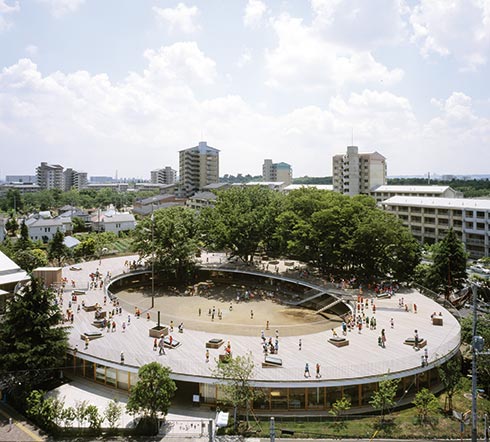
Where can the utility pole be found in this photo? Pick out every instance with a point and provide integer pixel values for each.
(152, 258)
(473, 369)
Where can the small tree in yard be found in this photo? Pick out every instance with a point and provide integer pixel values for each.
(426, 404)
(234, 381)
(113, 413)
(151, 396)
(384, 398)
(450, 374)
(339, 407)
(47, 412)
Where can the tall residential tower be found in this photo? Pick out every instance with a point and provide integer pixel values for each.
(198, 167)
(355, 173)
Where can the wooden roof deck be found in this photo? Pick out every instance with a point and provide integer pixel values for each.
(361, 361)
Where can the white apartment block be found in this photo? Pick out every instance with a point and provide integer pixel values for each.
(74, 180)
(198, 167)
(167, 175)
(382, 193)
(50, 176)
(430, 218)
(272, 172)
(114, 222)
(357, 173)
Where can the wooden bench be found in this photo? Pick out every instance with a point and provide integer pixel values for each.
(158, 332)
(99, 323)
(78, 292)
(90, 308)
(214, 343)
(91, 335)
(339, 341)
(166, 342)
(437, 320)
(272, 361)
(411, 341)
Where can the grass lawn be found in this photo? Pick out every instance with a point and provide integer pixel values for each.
(400, 424)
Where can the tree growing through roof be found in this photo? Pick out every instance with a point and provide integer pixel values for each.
(151, 395)
(169, 237)
(242, 221)
(384, 398)
(34, 344)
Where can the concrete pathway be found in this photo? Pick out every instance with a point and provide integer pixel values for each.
(14, 427)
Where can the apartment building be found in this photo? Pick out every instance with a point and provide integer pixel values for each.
(198, 167)
(430, 218)
(50, 176)
(381, 193)
(74, 180)
(272, 172)
(357, 173)
(167, 175)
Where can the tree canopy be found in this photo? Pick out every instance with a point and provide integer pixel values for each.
(151, 395)
(33, 342)
(242, 220)
(175, 242)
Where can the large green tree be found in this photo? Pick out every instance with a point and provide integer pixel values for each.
(449, 269)
(170, 238)
(151, 395)
(242, 221)
(34, 344)
(450, 374)
(344, 235)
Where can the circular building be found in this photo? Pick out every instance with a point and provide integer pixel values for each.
(238, 311)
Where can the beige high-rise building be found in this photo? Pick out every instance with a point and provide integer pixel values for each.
(198, 167)
(73, 179)
(166, 175)
(357, 173)
(277, 172)
(50, 176)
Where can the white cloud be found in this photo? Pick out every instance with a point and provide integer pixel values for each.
(181, 63)
(143, 120)
(254, 11)
(59, 8)
(304, 60)
(457, 28)
(181, 18)
(244, 59)
(7, 8)
(360, 23)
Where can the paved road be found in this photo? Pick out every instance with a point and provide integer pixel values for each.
(18, 429)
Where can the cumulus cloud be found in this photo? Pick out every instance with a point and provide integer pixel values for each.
(306, 61)
(459, 28)
(144, 119)
(254, 12)
(360, 24)
(7, 8)
(244, 59)
(60, 8)
(181, 18)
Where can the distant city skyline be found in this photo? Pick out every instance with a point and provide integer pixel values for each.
(293, 81)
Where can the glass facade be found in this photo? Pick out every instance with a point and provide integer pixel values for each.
(280, 399)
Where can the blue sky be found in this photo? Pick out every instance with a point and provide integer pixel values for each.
(123, 85)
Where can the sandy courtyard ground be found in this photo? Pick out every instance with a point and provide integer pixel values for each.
(236, 316)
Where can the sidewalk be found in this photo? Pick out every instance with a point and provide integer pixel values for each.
(20, 430)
